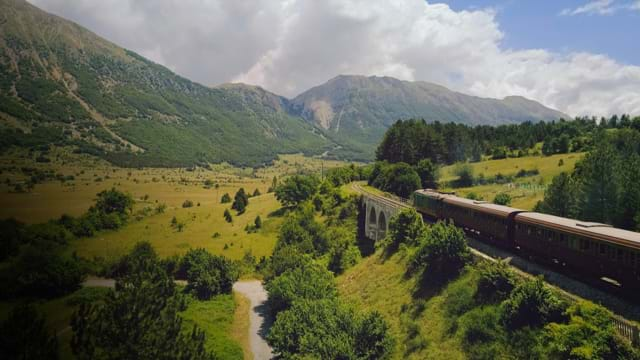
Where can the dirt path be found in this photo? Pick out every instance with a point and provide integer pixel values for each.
(259, 318)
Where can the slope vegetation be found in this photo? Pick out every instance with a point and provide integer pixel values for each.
(60, 83)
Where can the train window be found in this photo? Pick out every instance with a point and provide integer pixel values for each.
(529, 230)
(584, 245)
(603, 249)
(620, 253)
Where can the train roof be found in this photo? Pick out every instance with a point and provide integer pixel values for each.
(593, 230)
(484, 206)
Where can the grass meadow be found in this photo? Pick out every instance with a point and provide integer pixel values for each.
(526, 191)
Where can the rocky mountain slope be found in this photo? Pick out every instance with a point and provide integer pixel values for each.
(356, 110)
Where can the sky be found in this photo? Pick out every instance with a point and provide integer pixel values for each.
(581, 57)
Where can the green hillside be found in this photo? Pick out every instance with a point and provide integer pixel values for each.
(61, 84)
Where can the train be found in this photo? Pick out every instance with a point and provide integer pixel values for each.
(588, 249)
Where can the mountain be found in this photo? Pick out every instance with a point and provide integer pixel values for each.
(355, 111)
(62, 84)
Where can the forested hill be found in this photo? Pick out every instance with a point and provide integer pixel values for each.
(60, 83)
(357, 110)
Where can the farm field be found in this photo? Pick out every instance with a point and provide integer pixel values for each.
(525, 191)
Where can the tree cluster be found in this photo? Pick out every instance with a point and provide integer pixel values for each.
(604, 185)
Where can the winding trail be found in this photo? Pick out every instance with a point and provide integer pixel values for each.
(259, 318)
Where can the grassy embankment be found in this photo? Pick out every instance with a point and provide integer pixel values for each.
(525, 191)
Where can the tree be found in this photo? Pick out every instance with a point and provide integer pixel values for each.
(327, 329)
(227, 216)
(187, 204)
(139, 319)
(113, 201)
(428, 173)
(400, 178)
(25, 336)
(532, 304)
(226, 198)
(443, 251)
(406, 227)
(561, 197)
(240, 201)
(296, 189)
(257, 222)
(496, 281)
(207, 274)
(599, 172)
(285, 258)
(502, 199)
(308, 282)
(256, 192)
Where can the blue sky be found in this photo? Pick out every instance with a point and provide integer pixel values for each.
(541, 24)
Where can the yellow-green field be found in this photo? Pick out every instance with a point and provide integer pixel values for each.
(525, 191)
(171, 186)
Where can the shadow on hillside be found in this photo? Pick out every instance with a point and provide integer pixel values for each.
(278, 213)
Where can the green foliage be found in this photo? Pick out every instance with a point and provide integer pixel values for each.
(443, 252)
(589, 334)
(256, 192)
(496, 281)
(308, 282)
(400, 178)
(227, 216)
(465, 175)
(240, 201)
(11, 237)
(327, 329)
(532, 304)
(226, 198)
(296, 189)
(406, 227)
(561, 197)
(502, 199)
(257, 222)
(187, 204)
(207, 274)
(284, 258)
(139, 319)
(343, 254)
(113, 201)
(25, 336)
(428, 173)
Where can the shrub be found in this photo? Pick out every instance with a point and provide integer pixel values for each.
(406, 227)
(502, 199)
(443, 251)
(589, 334)
(226, 198)
(227, 216)
(257, 222)
(296, 189)
(307, 282)
(343, 255)
(496, 281)
(465, 175)
(428, 173)
(240, 201)
(532, 304)
(285, 258)
(187, 204)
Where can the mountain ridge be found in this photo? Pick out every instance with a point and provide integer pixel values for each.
(62, 84)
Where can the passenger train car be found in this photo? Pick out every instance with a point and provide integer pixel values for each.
(591, 249)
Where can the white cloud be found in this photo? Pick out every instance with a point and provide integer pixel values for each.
(288, 46)
(599, 7)
(635, 5)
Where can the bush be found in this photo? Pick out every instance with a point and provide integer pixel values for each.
(257, 222)
(502, 199)
(428, 173)
(207, 274)
(496, 281)
(343, 255)
(532, 304)
(226, 198)
(406, 227)
(227, 216)
(443, 251)
(307, 282)
(400, 178)
(589, 334)
(327, 329)
(25, 336)
(187, 204)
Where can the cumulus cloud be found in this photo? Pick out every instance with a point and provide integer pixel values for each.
(288, 46)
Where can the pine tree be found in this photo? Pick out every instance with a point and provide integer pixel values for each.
(258, 222)
(227, 216)
(240, 202)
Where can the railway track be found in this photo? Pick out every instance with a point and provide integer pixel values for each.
(625, 311)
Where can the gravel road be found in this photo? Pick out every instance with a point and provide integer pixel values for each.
(259, 318)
